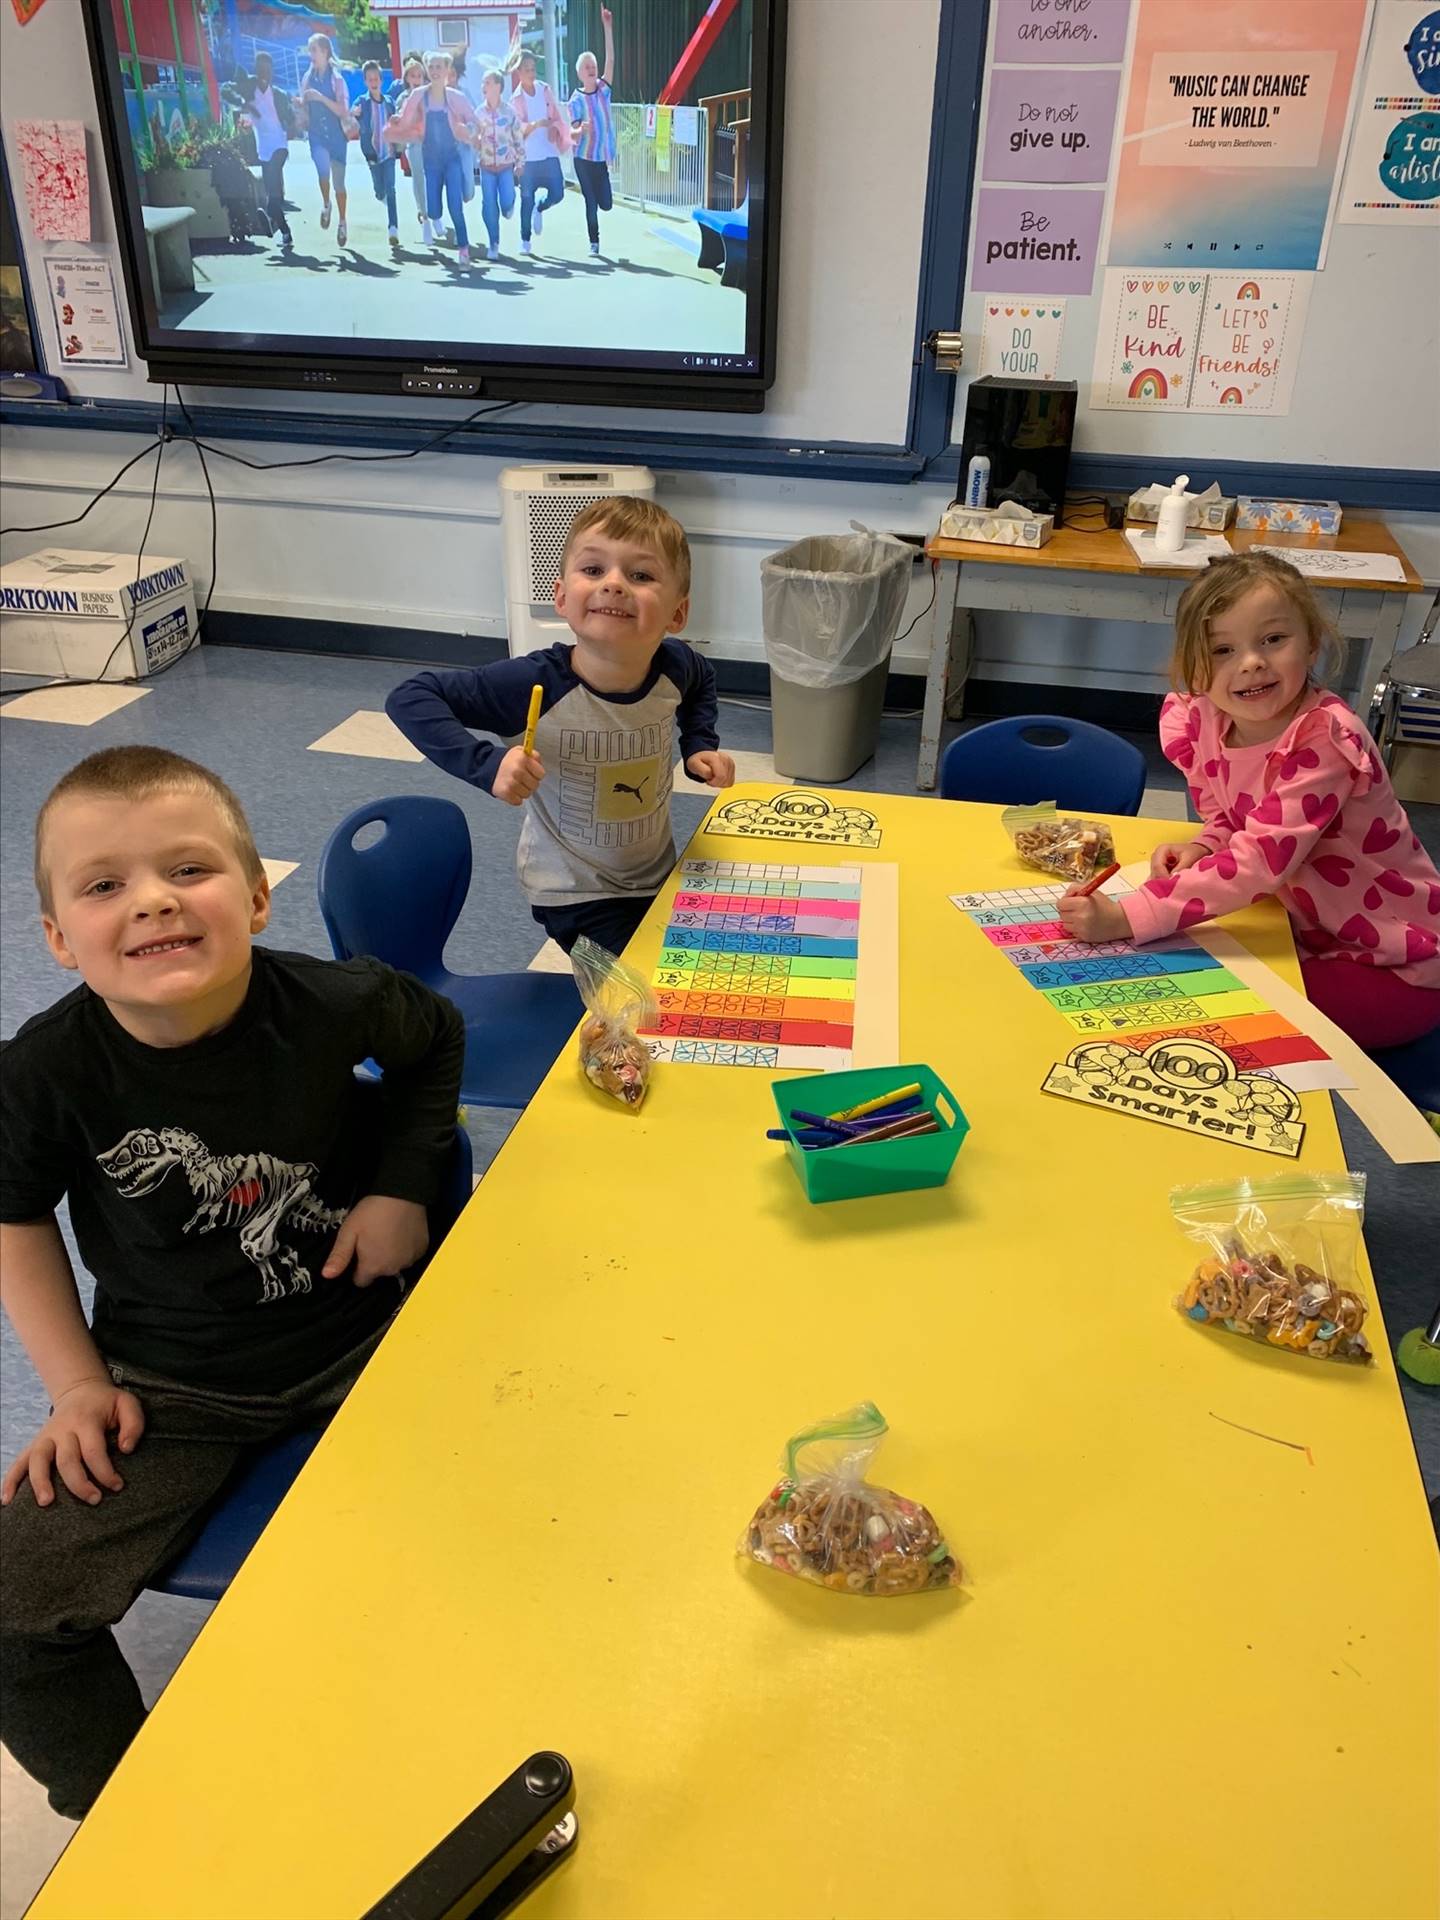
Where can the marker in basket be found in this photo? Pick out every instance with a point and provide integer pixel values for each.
(908, 1128)
(900, 1094)
(1090, 886)
(532, 719)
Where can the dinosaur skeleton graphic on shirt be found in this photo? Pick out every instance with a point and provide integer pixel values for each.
(254, 1192)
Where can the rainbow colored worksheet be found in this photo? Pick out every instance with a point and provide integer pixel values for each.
(757, 967)
(1116, 990)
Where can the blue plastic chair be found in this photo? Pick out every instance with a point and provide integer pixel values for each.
(399, 900)
(1039, 756)
(243, 1508)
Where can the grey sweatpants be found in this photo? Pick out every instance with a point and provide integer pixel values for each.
(69, 1705)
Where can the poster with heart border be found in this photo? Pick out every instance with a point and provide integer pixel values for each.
(1251, 330)
(1145, 346)
(1020, 336)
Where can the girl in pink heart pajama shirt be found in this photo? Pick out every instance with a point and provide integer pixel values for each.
(1294, 801)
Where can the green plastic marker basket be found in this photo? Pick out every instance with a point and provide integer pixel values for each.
(889, 1166)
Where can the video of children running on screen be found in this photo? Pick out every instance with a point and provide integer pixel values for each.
(580, 171)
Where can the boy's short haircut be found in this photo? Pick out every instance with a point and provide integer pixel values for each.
(137, 773)
(1215, 591)
(372, 66)
(622, 517)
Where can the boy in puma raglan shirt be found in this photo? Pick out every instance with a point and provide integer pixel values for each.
(244, 1205)
(595, 844)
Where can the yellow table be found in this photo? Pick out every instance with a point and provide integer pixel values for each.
(1194, 1674)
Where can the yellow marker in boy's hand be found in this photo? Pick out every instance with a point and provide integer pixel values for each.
(532, 719)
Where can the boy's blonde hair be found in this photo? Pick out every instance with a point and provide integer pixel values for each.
(138, 773)
(1217, 589)
(623, 517)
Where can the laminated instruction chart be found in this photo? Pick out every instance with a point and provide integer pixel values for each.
(758, 966)
(1144, 994)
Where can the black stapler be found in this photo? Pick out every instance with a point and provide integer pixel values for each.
(486, 1866)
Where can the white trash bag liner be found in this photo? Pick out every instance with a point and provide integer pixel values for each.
(831, 605)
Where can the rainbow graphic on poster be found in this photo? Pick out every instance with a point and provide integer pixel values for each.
(757, 967)
(1234, 124)
(1149, 385)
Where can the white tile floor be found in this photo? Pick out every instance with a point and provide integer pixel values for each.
(66, 706)
(1159, 803)
(373, 736)
(748, 766)
(550, 959)
(31, 1837)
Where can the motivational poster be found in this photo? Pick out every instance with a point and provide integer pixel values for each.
(1145, 347)
(1251, 327)
(1050, 123)
(1035, 242)
(1021, 336)
(1392, 177)
(1232, 130)
(1059, 32)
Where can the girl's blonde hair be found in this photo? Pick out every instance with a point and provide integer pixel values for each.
(320, 40)
(1217, 589)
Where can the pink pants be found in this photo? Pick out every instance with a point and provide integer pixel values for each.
(1375, 1007)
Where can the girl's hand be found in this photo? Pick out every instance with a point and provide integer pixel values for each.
(519, 775)
(715, 769)
(606, 17)
(73, 1442)
(1092, 917)
(1176, 855)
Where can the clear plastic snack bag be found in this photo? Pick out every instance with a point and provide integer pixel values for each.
(617, 1004)
(1059, 843)
(1281, 1261)
(827, 1523)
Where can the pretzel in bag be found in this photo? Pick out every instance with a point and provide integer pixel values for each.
(617, 1002)
(825, 1522)
(1059, 843)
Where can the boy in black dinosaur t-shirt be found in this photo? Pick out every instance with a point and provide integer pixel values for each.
(243, 1217)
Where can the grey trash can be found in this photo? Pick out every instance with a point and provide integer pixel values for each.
(831, 607)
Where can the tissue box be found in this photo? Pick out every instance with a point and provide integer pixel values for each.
(1211, 515)
(1287, 516)
(85, 616)
(995, 529)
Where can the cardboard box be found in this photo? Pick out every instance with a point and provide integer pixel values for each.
(1211, 516)
(1256, 514)
(996, 530)
(85, 616)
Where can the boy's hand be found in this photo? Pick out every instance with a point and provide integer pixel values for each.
(1176, 855)
(381, 1235)
(1092, 917)
(519, 775)
(73, 1442)
(715, 769)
